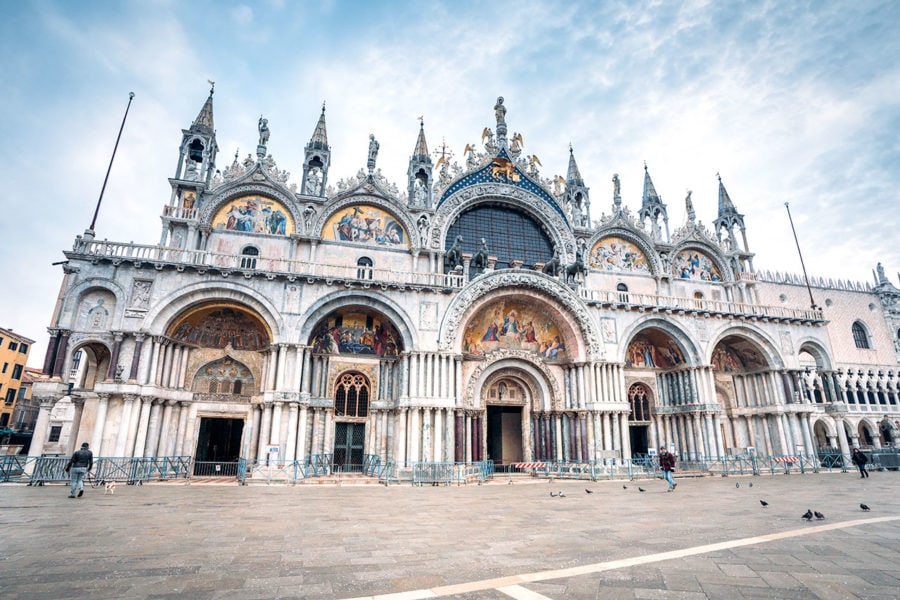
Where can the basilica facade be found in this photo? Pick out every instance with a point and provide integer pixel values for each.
(477, 312)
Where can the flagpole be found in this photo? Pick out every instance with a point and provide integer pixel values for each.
(111, 159)
(812, 303)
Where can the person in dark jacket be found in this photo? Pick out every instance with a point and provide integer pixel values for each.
(78, 466)
(859, 459)
(667, 465)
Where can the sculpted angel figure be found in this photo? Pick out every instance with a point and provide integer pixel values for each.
(471, 159)
(489, 145)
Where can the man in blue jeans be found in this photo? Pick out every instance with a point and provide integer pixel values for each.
(667, 466)
(78, 466)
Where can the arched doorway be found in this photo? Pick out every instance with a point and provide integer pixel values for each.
(639, 397)
(352, 391)
(504, 401)
(89, 365)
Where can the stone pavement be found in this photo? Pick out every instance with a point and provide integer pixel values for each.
(708, 539)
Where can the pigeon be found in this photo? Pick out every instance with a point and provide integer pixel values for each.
(624, 487)
(552, 495)
(864, 507)
(750, 484)
(808, 515)
(738, 484)
(640, 489)
(764, 503)
(561, 495)
(819, 515)
(587, 491)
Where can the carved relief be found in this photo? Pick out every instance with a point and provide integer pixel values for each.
(428, 315)
(140, 294)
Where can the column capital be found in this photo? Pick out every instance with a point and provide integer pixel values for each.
(103, 396)
(130, 397)
(119, 335)
(140, 336)
(47, 402)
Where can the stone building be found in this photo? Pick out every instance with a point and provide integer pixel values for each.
(479, 313)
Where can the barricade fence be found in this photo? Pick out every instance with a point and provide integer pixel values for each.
(47, 469)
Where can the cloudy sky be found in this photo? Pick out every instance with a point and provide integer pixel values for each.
(790, 101)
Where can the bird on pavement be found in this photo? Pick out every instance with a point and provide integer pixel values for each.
(750, 484)
(808, 515)
(587, 491)
(764, 503)
(624, 487)
(552, 495)
(640, 489)
(738, 484)
(819, 515)
(561, 495)
(864, 507)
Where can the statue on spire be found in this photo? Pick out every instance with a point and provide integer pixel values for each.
(373, 152)
(500, 111)
(263, 131)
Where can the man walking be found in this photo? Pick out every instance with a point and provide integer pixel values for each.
(667, 465)
(859, 459)
(81, 462)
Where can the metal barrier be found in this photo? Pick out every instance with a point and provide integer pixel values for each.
(214, 469)
(38, 470)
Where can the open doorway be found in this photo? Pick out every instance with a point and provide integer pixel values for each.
(218, 446)
(504, 434)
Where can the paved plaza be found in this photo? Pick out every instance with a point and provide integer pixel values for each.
(708, 539)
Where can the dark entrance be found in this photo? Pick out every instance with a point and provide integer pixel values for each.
(504, 434)
(349, 439)
(638, 439)
(218, 447)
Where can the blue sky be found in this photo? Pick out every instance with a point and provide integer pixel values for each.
(790, 101)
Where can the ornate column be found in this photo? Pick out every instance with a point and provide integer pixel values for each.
(100, 423)
(265, 426)
(460, 446)
(165, 429)
(290, 451)
(181, 431)
(61, 350)
(137, 450)
(41, 426)
(124, 425)
(302, 440)
(78, 403)
(136, 356)
(153, 428)
(50, 355)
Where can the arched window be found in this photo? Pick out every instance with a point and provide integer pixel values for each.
(860, 338)
(351, 395)
(639, 397)
(510, 235)
(249, 254)
(622, 294)
(364, 268)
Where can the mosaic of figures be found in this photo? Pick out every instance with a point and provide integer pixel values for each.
(735, 354)
(224, 376)
(653, 349)
(692, 264)
(617, 254)
(367, 225)
(254, 214)
(356, 332)
(725, 360)
(221, 327)
(511, 324)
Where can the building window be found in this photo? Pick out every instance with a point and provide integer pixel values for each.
(351, 396)
(364, 270)
(17, 372)
(23, 348)
(509, 234)
(859, 336)
(10, 395)
(4, 419)
(5, 367)
(24, 390)
(248, 260)
(13, 345)
(622, 292)
(1, 340)
(55, 432)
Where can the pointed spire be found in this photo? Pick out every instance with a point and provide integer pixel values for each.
(204, 121)
(319, 137)
(726, 207)
(650, 195)
(421, 150)
(574, 175)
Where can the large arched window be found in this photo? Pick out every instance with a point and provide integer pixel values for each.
(860, 337)
(364, 268)
(351, 395)
(510, 235)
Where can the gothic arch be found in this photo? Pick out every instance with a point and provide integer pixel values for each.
(635, 237)
(373, 300)
(757, 338)
(224, 375)
(535, 207)
(537, 378)
(263, 187)
(161, 314)
(402, 216)
(556, 297)
(681, 337)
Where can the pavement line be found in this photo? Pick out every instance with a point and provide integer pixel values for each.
(520, 593)
(513, 581)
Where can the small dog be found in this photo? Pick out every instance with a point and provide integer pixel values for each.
(110, 487)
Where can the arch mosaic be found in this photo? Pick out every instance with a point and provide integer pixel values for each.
(220, 325)
(690, 354)
(368, 225)
(512, 323)
(473, 296)
(374, 301)
(754, 350)
(262, 189)
(331, 214)
(355, 330)
(254, 214)
(620, 252)
(474, 195)
(696, 264)
(541, 382)
(221, 376)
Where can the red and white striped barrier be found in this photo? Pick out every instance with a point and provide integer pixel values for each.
(534, 465)
(786, 459)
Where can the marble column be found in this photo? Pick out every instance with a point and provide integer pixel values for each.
(124, 426)
(100, 423)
